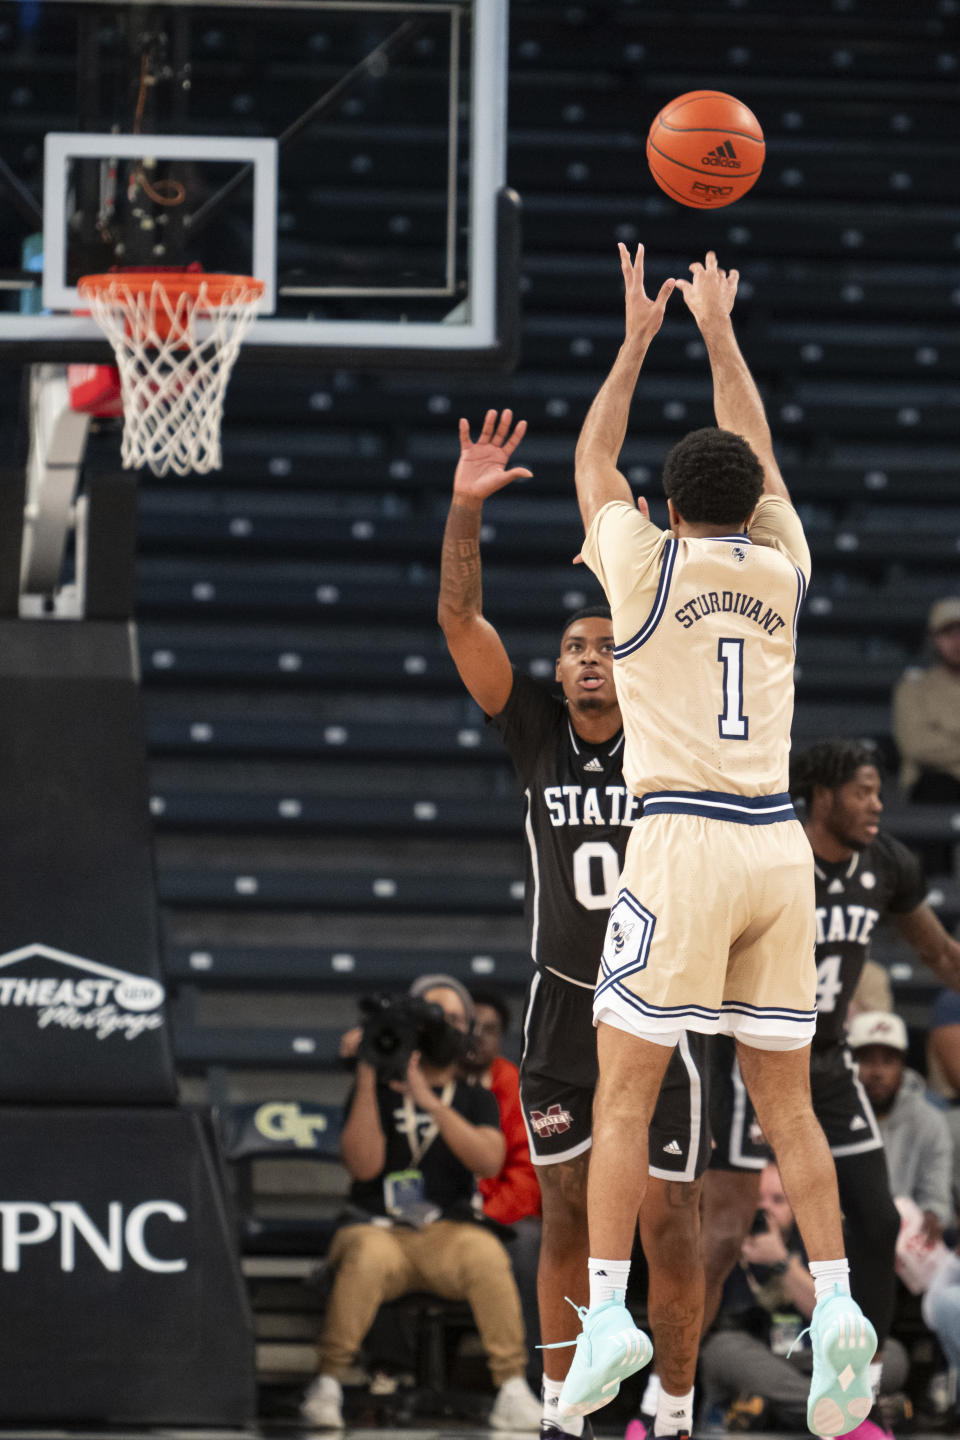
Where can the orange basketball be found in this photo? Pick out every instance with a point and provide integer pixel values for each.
(705, 149)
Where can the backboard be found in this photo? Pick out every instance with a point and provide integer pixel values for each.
(349, 153)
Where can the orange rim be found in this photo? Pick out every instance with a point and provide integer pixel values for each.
(174, 282)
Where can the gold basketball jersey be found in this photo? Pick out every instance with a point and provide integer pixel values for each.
(705, 633)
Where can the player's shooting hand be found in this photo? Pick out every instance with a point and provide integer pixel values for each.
(644, 316)
(482, 469)
(712, 291)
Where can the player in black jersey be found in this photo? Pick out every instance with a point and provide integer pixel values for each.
(862, 874)
(568, 757)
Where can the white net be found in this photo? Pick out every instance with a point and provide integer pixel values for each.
(175, 348)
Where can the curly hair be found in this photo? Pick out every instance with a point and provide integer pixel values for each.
(713, 477)
(831, 763)
(589, 612)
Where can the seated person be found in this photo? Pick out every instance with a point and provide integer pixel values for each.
(756, 1359)
(514, 1194)
(941, 1312)
(414, 1147)
(926, 713)
(512, 1197)
(943, 1069)
(916, 1140)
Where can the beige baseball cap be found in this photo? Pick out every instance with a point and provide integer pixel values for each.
(943, 613)
(877, 1027)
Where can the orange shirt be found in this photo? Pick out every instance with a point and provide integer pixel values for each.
(515, 1192)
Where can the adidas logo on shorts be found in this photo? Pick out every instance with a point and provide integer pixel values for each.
(672, 1149)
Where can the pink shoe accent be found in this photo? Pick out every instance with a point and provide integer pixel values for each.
(867, 1430)
(636, 1430)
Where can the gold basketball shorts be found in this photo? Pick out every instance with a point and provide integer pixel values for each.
(714, 924)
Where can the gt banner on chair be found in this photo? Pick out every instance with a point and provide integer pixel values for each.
(123, 1300)
(82, 1015)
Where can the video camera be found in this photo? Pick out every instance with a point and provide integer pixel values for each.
(396, 1025)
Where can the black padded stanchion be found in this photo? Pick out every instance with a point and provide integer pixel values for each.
(81, 996)
(123, 1300)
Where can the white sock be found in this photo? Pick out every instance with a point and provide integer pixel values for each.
(827, 1274)
(651, 1395)
(608, 1278)
(874, 1372)
(572, 1424)
(328, 1385)
(674, 1413)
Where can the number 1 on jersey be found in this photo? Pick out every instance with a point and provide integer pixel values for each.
(734, 725)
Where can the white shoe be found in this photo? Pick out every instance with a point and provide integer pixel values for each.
(322, 1405)
(516, 1408)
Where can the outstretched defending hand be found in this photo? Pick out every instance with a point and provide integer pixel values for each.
(644, 316)
(711, 292)
(482, 469)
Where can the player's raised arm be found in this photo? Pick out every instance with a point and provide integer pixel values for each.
(474, 644)
(602, 436)
(736, 399)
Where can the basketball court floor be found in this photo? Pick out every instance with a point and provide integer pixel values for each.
(449, 1430)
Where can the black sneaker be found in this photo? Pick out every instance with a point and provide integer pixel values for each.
(553, 1430)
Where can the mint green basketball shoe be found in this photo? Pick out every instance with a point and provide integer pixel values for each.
(843, 1343)
(609, 1348)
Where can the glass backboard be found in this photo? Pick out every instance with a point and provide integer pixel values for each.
(349, 153)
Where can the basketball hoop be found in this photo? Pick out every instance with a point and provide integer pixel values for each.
(176, 335)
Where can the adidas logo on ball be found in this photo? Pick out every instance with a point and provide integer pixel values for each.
(723, 155)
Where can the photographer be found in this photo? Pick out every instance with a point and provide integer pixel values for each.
(414, 1147)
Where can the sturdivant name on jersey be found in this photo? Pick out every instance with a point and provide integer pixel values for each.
(731, 602)
(852, 923)
(573, 805)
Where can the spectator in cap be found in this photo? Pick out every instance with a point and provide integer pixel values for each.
(915, 1135)
(926, 713)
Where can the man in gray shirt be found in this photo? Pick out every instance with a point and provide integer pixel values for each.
(916, 1137)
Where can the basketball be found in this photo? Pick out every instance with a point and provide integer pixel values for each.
(705, 149)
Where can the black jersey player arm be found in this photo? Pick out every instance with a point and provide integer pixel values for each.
(601, 439)
(475, 647)
(935, 947)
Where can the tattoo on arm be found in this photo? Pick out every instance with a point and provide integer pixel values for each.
(460, 566)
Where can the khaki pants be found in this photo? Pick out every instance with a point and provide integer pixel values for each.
(453, 1259)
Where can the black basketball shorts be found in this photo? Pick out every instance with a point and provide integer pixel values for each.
(839, 1102)
(558, 1076)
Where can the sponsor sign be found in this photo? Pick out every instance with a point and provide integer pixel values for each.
(119, 1270)
(79, 1027)
(79, 994)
